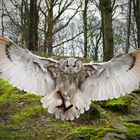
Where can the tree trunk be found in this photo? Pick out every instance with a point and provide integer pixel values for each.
(128, 27)
(107, 32)
(2, 18)
(33, 30)
(98, 38)
(136, 5)
(25, 22)
(85, 28)
(49, 33)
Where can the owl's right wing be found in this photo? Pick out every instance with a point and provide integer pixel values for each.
(114, 78)
(25, 70)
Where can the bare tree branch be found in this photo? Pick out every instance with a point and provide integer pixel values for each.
(59, 29)
(63, 10)
(68, 39)
(11, 18)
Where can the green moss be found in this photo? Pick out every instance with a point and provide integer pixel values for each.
(133, 129)
(90, 133)
(85, 132)
(14, 135)
(29, 113)
(14, 131)
(17, 105)
(5, 86)
(21, 112)
(121, 104)
(57, 130)
(104, 131)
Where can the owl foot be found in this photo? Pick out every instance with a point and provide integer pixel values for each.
(63, 105)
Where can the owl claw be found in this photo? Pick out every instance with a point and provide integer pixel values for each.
(67, 108)
(63, 105)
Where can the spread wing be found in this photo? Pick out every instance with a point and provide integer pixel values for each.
(25, 70)
(114, 78)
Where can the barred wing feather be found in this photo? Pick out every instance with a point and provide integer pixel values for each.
(25, 70)
(114, 78)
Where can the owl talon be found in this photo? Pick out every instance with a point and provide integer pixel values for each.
(67, 108)
(60, 106)
(63, 105)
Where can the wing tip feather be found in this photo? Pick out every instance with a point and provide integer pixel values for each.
(5, 40)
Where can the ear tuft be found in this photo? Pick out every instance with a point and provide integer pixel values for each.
(62, 63)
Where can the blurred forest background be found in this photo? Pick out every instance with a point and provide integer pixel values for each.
(97, 29)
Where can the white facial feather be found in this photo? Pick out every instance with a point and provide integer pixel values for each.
(70, 65)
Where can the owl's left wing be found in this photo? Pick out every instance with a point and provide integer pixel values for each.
(25, 70)
(114, 78)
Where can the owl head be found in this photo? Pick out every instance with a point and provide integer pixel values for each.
(70, 65)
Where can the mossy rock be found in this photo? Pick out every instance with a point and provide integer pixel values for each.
(84, 133)
(133, 130)
(89, 133)
(96, 114)
(93, 133)
(121, 105)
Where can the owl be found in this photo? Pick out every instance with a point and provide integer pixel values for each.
(68, 86)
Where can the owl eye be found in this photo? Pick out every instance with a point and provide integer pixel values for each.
(67, 65)
(74, 65)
